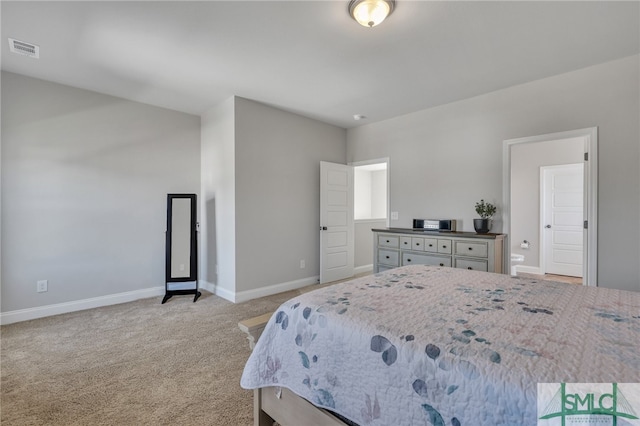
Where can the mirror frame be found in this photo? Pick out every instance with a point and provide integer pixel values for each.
(193, 258)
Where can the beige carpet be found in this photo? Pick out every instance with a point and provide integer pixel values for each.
(138, 363)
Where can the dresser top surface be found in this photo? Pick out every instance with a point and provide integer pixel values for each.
(439, 234)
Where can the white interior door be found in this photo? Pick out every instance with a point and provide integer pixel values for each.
(563, 229)
(336, 222)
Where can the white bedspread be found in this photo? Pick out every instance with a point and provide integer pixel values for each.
(443, 346)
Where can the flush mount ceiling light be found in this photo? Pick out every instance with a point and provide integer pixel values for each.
(370, 13)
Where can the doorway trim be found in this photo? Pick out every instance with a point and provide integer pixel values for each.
(590, 209)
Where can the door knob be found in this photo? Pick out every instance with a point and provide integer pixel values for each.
(323, 228)
(548, 226)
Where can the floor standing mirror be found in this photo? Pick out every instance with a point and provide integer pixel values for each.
(181, 263)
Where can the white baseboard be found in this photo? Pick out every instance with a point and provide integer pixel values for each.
(528, 269)
(78, 305)
(243, 296)
(362, 269)
(218, 291)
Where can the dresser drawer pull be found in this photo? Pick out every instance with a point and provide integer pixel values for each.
(387, 257)
(430, 245)
(470, 248)
(417, 244)
(408, 260)
(444, 246)
(469, 268)
(405, 243)
(387, 240)
(442, 264)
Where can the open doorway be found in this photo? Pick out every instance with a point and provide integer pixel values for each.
(530, 229)
(371, 201)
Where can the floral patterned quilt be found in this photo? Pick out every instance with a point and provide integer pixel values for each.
(444, 346)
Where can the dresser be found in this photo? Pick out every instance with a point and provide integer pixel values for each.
(394, 247)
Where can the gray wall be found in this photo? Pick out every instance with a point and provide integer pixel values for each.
(363, 241)
(362, 194)
(84, 184)
(218, 208)
(447, 158)
(379, 194)
(277, 157)
(526, 160)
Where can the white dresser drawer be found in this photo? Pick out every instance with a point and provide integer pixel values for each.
(431, 245)
(388, 241)
(444, 246)
(475, 249)
(425, 259)
(472, 264)
(388, 257)
(405, 243)
(417, 244)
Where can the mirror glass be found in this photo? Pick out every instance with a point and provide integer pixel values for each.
(181, 238)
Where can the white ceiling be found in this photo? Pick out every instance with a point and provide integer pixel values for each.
(310, 57)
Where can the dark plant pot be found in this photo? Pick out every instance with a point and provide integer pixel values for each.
(482, 226)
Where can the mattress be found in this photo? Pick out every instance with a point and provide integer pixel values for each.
(445, 346)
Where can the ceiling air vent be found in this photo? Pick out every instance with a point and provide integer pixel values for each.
(24, 48)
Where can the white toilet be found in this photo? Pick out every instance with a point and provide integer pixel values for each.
(515, 260)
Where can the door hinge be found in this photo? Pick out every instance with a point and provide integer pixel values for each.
(586, 224)
(586, 156)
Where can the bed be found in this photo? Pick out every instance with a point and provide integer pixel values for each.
(436, 346)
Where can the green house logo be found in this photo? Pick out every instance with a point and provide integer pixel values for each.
(569, 404)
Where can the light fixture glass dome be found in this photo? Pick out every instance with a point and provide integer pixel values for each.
(370, 13)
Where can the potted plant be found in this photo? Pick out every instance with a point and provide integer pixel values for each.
(486, 212)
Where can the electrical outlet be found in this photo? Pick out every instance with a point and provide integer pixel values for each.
(302, 264)
(182, 266)
(42, 286)
(394, 215)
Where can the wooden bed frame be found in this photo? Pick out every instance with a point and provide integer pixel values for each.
(274, 404)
